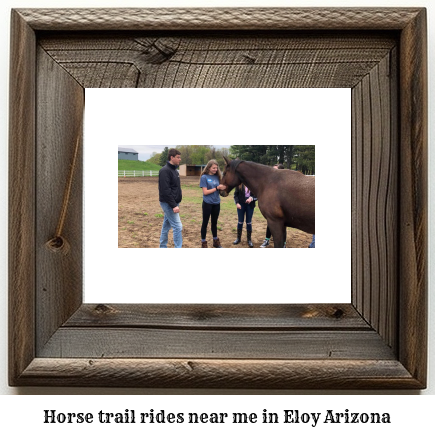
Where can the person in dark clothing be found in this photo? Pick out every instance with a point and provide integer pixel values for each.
(210, 183)
(245, 202)
(266, 241)
(170, 196)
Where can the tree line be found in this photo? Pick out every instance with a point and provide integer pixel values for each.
(193, 154)
(296, 157)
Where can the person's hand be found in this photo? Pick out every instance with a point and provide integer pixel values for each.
(249, 200)
(221, 187)
(176, 209)
(239, 206)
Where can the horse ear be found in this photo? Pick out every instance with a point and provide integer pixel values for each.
(227, 162)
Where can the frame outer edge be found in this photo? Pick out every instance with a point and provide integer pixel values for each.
(413, 206)
(218, 18)
(229, 374)
(21, 197)
(413, 219)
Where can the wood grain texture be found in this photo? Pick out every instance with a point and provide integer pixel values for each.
(236, 60)
(252, 317)
(378, 342)
(59, 277)
(228, 374)
(375, 198)
(127, 342)
(220, 18)
(21, 197)
(413, 187)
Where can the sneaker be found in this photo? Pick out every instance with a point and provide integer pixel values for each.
(265, 243)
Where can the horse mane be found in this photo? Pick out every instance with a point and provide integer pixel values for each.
(235, 163)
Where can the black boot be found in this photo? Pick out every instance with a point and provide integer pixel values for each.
(249, 239)
(239, 236)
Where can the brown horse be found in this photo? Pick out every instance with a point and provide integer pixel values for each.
(286, 198)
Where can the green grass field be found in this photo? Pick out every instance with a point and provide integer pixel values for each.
(140, 217)
(137, 165)
(193, 194)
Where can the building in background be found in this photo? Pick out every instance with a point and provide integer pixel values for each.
(127, 154)
(191, 169)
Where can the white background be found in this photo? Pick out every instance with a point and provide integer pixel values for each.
(320, 117)
(412, 412)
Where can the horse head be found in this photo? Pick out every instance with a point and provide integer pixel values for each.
(230, 178)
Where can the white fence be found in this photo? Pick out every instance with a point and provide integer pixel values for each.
(137, 173)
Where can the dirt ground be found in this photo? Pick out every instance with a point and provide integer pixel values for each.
(140, 218)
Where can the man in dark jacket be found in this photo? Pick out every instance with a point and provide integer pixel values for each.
(170, 197)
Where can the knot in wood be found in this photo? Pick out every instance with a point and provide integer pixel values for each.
(338, 313)
(58, 244)
(249, 59)
(103, 309)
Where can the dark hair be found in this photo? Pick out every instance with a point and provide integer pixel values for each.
(280, 166)
(172, 153)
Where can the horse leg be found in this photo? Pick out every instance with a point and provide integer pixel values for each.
(278, 232)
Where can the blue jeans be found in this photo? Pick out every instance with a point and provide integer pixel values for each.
(171, 220)
(313, 243)
(249, 211)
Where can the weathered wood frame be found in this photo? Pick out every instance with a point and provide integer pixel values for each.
(377, 341)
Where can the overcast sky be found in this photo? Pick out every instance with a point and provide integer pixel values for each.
(145, 151)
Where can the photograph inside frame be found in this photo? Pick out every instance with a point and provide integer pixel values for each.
(226, 196)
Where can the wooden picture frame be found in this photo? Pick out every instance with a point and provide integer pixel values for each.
(376, 342)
